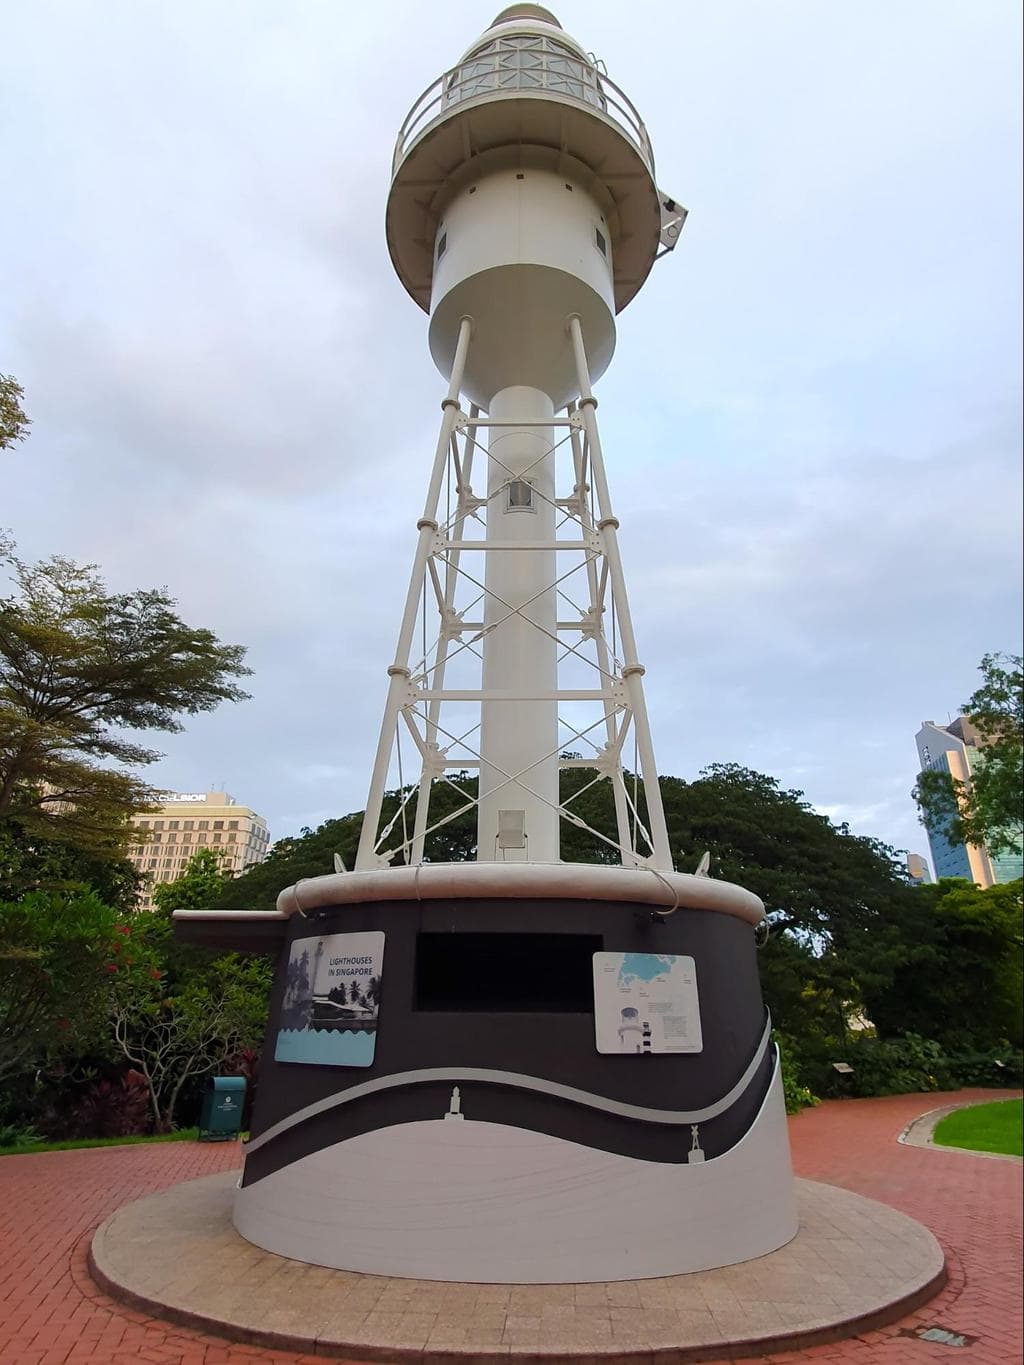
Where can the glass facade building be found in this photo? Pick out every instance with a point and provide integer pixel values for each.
(958, 750)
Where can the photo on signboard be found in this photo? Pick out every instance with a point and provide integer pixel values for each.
(332, 1000)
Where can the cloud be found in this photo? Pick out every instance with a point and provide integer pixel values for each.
(811, 423)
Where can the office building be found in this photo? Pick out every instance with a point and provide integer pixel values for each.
(918, 870)
(958, 749)
(189, 821)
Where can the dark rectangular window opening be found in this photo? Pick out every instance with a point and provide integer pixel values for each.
(503, 973)
(520, 496)
(442, 244)
(602, 245)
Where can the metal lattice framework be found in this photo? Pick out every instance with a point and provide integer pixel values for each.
(431, 718)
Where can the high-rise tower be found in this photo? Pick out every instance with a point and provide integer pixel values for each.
(959, 750)
(517, 1068)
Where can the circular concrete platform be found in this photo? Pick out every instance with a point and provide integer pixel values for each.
(854, 1264)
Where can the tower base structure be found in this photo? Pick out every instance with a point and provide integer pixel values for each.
(500, 1119)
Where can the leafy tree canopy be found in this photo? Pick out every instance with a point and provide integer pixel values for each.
(79, 666)
(14, 424)
(31, 862)
(178, 1013)
(816, 878)
(198, 888)
(55, 950)
(989, 809)
(956, 966)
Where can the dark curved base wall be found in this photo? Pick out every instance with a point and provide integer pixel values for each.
(556, 1045)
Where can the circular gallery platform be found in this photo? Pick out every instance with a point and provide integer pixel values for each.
(854, 1264)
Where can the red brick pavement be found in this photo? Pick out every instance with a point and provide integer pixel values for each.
(52, 1313)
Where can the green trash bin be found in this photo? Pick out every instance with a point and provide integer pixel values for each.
(221, 1115)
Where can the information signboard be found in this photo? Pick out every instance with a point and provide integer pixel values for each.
(646, 1003)
(332, 1000)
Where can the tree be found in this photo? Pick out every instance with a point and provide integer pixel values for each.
(56, 961)
(13, 422)
(817, 880)
(29, 862)
(177, 1012)
(989, 810)
(78, 666)
(957, 973)
(172, 1039)
(198, 887)
(828, 893)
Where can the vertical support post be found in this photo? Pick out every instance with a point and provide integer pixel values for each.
(604, 661)
(632, 668)
(463, 493)
(399, 670)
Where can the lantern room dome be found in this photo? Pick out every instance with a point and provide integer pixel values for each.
(528, 21)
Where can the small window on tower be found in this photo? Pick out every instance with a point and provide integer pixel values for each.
(520, 496)
(442, 244)
(602, 245)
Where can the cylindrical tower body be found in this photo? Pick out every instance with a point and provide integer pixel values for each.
(519, 248)
(517, 815)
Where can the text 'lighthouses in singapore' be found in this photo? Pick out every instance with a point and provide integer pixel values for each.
(595, 1030)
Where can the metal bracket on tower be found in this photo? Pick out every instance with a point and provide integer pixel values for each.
(673, 216)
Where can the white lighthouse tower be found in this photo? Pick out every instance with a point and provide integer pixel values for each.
(596, 1027)
(523, 215)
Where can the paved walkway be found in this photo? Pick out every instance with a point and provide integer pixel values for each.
(51, 1312)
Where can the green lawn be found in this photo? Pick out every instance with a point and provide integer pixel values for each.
(181, 1135)
(993, 1127)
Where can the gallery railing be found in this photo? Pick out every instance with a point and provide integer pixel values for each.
(523, 64)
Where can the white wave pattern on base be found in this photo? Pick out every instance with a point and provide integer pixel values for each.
(485, 1202)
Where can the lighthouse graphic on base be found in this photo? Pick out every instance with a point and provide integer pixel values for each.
(583, 1022)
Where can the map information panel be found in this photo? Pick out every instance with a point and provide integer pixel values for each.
(646, 1003)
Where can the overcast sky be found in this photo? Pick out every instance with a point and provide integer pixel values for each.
(812, 422)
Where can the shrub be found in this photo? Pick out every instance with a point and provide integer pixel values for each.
(17, 1134)
(998, 1066)
(113, 1108)
(798, 1095)
(911, 1064)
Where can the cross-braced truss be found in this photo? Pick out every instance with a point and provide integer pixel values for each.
(432, 720)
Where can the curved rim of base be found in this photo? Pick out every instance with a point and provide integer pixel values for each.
(665, 891)
(624, 1354)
